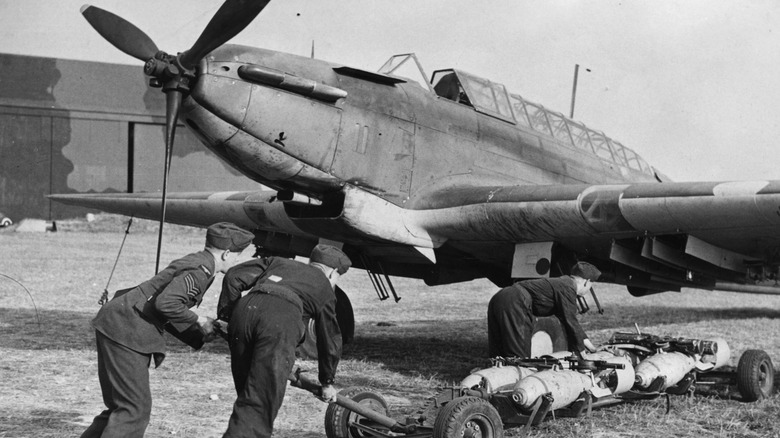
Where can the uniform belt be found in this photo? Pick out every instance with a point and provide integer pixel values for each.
(281, 292)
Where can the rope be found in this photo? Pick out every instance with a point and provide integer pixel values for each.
(37, 316)
(104, 297)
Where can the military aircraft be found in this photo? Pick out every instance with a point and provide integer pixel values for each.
(448, 180)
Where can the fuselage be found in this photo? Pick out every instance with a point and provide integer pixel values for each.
(394, 139)
(383, 156)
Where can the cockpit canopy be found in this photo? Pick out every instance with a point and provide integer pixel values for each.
(486, 96)
(491, 98)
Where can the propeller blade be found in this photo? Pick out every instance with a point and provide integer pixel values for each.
(173, 100)
(120, 33)
(231, 18)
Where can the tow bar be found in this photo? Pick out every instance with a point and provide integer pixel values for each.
(299, 380)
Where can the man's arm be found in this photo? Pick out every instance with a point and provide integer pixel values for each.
(328, 341)
(566, 303)
(173, 303)
(238, 279)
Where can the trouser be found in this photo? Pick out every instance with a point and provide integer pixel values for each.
(264, 331)
(510, 323)
(124, 382)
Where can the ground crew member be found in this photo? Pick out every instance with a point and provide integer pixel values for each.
(268, 323)
(511, 311)
(129, 329)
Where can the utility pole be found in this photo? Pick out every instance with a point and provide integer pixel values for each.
(574, 90)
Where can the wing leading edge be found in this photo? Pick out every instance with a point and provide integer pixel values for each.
(701, 234)
(251, 210)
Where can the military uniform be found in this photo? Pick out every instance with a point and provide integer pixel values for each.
(265, 327)
(129, 331)
(511, 313)
(129, 334)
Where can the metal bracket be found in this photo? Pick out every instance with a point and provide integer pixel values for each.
(376, 272)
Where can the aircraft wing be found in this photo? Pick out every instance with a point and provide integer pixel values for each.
(649, 236)
(251, 209)
(699, 234)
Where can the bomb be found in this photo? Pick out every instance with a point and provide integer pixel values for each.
(565, 386)
(496, 378)
(672, 367)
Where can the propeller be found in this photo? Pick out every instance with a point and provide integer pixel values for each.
(231, 18)
(120, 33)
(174, 74)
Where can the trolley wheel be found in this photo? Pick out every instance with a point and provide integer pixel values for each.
(5, 222)
(755, 375)
(339, 418)
(468, 417)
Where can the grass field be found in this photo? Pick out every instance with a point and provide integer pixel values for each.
(405, 350)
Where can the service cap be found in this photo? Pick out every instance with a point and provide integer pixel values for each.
(586, 271)
(330, 256)
(228, 236)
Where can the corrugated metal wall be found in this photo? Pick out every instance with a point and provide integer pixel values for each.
(78, 127)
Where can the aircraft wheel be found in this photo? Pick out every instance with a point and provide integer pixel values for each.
(5, 222)
(755, 375)
(471, 417)
(548, 336)
(338, 418)
(346, 318)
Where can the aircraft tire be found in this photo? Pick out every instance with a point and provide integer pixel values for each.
(755, 375)
(338, 418)
(345, 315)
(468, 416)
(346, 319)
(548, 336)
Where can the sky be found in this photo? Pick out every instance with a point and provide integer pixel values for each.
(692, 85)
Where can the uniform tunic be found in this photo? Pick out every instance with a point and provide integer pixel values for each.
(511, 313)
(129, 333)
(266, 326)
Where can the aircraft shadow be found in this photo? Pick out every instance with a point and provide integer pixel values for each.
(285, 433)
(47, 330)
(23, 329)
(626, 316)
(449, 349)
(43, 423)
(446, 350)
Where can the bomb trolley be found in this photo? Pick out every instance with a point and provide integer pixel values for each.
(668, 365)
(522, 392)
(481, 411)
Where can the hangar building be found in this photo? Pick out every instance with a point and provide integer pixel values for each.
(78, 127)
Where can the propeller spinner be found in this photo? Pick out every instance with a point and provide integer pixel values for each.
(174, 74)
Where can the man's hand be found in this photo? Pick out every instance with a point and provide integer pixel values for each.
(329, 393)
(589, 346)
(206, 325)
(221, 329)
